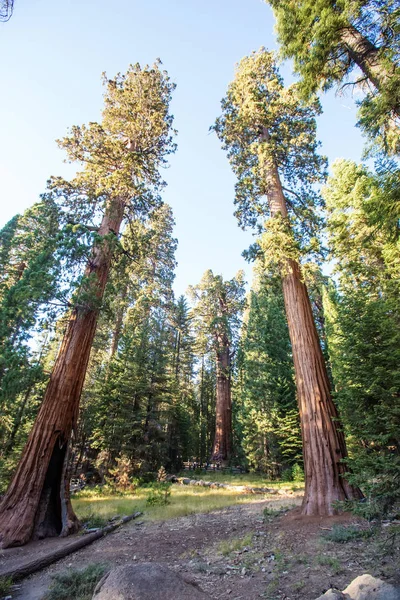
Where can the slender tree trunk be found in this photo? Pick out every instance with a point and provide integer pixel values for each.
(37, 502)
(118, 322)
(324, 446)
(222, 449)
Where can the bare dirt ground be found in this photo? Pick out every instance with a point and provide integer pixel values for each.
(237, 553)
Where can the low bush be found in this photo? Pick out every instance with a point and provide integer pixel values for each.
(341, 534)
(75, 584)
(159, 494)
(93, 521)
(5, 586)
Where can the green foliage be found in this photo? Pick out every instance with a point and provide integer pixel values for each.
(347, 42)
(265, 387)
(297, 473)
(363, 317)
(5, 586)
(234, 544)
(75, 584)
(159, 494)
(93, 521)
(218, 305)
(265, 125)
(270, 513)
(329, 561)
(341, 534)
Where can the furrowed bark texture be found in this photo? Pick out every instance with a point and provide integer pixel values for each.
(365, 55)
(37, 503)
(324, 445)
(222, 448)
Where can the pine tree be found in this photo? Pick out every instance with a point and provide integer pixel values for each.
(217, 308)
(265, 385)
(270, 138)
(364, 322)
(121, 158)
(117, 389)
(30, 294)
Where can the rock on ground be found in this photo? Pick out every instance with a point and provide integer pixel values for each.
(367, 587)
(146, 581)
(364, 587)
(333, 595)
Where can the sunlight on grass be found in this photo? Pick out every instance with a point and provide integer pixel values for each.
(227, 546)
(184, 501)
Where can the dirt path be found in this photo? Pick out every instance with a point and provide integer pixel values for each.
(279, 557)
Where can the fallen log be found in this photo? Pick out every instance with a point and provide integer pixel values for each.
(17, 573)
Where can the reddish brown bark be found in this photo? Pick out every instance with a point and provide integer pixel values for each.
(37, 502)
(366, 56)
(324, 446)
(222, 448)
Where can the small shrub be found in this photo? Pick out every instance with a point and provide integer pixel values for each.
(75, 584)
(270, 513)
(147, 477)
(329, 561)
(92, 521)
(297, 473)
(341, 534)
(159, 494)
(161, 475)
(5, 585)
(121, 476)
(287, 475)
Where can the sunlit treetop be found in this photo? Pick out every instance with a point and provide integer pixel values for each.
(262, 120)
(217, 309)
(122, 155)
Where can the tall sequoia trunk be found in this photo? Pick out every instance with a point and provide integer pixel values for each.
(222, 448)
(324, 446)
(37, 503)
(367, 57)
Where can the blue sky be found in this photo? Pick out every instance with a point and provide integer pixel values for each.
(53, 54)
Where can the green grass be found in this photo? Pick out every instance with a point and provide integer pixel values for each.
(185, 500)
(92, 521)
(329, 561)
(249, 479)
(74, 584)
(228, 546)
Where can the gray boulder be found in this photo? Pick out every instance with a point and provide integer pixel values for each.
(367, 587)
(333, 595)
(146, 581)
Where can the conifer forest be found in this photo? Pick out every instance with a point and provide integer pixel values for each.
(110, 380)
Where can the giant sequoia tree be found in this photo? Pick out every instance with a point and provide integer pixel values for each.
(121, 157)
(333, 40)
(270, 138)
(218, 305)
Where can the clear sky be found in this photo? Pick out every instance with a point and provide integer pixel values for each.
(52, 56)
